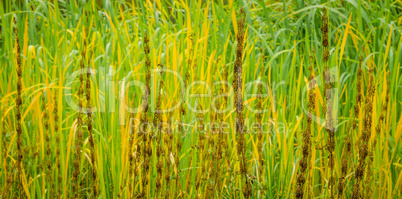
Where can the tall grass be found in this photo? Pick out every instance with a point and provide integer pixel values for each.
(103, 154)
(18, 114)
(57, 193)
(238, 92)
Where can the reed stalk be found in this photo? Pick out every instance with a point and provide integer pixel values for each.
(146, 141)
(158, 121)
(225, 103)
(201, 150)
(90, 129)
(132, 157)
(259, 118)
(179, 144)
(237, 82)
(325, 43)
(79, 131)
(365, 136)
(211, 161)
(57, 135)
(327, 107)
(48, 152)
(187, 79)
(18, 112)
(221, 144)
(201, 134)
(201, 131)
(306, 146)
(347, 140)
(7, 174)
(167, 142)
(215, 146)
(367, 185)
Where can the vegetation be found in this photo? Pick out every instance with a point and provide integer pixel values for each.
(200, 99)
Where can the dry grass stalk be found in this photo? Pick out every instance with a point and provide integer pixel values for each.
(201, 147)
(18, 111)
(214, 143)
(237, 81)
(348, 144)
(187, 79)
(306, 146)
(182, 114)
(327, 107)
(259, 118)
(79, 131)
(164, 147)
(57, 135)
(159, 152)
(383, 112)
(311, 108)
(48, 160)
(325, 43)
(225, 102)
(167, 141)
(331, 141)
(146, 141)
(221, 145)
(369, 173)
(365, 136)
(131, 154)
(158, 121)
(4, 147)
(8, 176)
(90, 134)
(201, 152)
(211, 161)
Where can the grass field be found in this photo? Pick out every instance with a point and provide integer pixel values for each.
(201, 99)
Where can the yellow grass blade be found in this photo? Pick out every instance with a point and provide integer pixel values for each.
(345, 36)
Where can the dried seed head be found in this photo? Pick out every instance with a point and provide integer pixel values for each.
(237, 84)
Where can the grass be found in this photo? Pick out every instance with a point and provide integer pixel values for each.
(98, 153)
